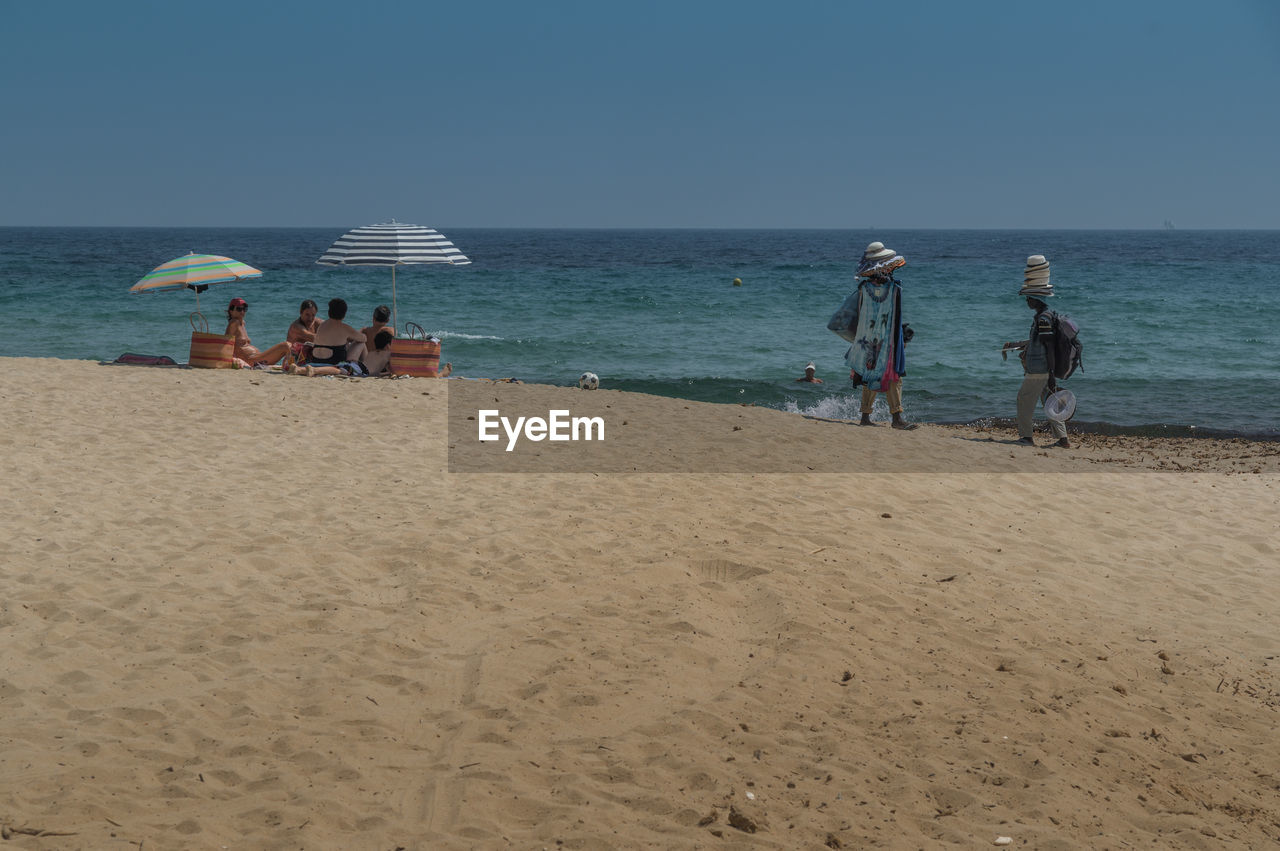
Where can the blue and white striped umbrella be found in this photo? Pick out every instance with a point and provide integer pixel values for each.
(392, 244)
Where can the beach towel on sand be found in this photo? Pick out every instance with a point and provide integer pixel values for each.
(132, 359)
(877, 351)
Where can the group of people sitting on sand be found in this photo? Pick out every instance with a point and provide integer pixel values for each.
(313, 347)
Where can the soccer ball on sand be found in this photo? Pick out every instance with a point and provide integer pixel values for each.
(588, 381)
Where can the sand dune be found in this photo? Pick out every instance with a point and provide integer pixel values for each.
(250, 610)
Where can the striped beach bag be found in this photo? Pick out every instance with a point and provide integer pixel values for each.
(416, 353)
(210, 351)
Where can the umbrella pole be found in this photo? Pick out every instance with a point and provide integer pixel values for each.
(394, 320)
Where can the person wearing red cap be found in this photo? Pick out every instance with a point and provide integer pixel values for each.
(246, 354)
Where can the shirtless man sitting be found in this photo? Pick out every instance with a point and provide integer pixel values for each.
(336, 341)
(378, 361)
(381, 314)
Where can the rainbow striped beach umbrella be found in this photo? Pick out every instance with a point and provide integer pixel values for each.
(392, 244)
(194, 272)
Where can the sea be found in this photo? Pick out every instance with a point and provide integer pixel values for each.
(1181, 328)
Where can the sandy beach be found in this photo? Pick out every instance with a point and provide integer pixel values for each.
(249, 610)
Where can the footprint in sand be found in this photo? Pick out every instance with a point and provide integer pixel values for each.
(532, 690)
(720, 570)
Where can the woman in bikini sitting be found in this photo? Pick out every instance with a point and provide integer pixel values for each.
(246, 354)
(302, 332)
(337, 342)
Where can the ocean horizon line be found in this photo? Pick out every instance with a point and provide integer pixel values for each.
(675, 229)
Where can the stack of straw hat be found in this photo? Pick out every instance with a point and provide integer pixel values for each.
(1035, 280)
(878, 260)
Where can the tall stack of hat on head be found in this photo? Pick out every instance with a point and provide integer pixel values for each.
(1035, 281)
(878, 260)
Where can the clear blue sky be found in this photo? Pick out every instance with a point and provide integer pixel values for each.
(642, 114)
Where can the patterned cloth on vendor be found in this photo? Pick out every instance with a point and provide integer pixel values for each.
(877, 357)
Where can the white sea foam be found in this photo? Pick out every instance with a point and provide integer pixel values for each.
(458, 335)
(833, 407)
